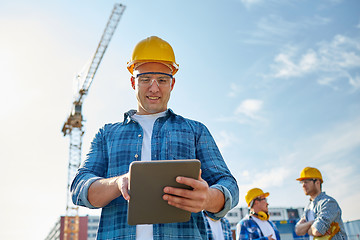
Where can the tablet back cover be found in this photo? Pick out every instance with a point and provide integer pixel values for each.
(147, 181)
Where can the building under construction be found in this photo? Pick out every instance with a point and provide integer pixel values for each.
(284, 219)
(88, 226)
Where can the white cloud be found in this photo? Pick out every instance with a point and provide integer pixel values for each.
(274, 177)
(247, 112)
(354, 81)
(263, 179)
(274, 28)
(250, 108)
(334, 60)
(249, 3)
(286, 67)
(333, 145)
(328, 81)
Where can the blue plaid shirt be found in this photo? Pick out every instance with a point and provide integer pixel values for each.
(326, 211)
(225, 225)
(116, 145)
(248, 229)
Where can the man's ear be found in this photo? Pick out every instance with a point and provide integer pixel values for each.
(132, 79)
(172, 84)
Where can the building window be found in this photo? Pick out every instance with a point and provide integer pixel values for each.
(275, 213)
(232, 214)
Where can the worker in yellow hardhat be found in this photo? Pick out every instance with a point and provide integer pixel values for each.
(154, 132)
(322, 213)
(153, 49)
(152, 61)
(256, 225)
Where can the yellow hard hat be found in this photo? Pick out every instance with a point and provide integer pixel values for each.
(310, 172)
(153, 49)
(254, 193)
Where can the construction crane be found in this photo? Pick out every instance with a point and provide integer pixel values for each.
(74, 123)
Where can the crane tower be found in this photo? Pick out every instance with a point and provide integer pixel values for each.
(73, 127)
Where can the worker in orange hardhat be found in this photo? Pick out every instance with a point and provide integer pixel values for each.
(154, 132)
(322, 216)
(256, 225)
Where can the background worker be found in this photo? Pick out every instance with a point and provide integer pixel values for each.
(256, 225)
(218, 229)
(153, 132)
(321, 211)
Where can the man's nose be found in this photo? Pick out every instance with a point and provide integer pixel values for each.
(152, 82)
(154, 87)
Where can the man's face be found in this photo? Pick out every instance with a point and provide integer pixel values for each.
(261, 204)
(152, 90)
(309, 186)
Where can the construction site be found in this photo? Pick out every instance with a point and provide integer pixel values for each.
(277, 86)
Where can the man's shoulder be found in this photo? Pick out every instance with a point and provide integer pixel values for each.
(179, 118)
(324, 197)
(324, 200)
(110, 128)
(246, 221)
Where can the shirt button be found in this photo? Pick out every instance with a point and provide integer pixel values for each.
(136, 156)
(139, 135)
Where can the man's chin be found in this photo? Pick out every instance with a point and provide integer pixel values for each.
(154, 111)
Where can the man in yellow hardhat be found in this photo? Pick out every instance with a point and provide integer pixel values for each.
(256, 225)
(153, 132)
(323, 214)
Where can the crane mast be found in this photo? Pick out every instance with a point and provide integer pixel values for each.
(73, 126)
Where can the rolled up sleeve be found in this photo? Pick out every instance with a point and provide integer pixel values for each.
(329, 211)
(92, 169)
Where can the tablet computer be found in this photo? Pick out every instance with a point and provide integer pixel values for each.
(147, 182)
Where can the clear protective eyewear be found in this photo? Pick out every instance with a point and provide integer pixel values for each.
(148, 78)
(261, 199)
(306, 181)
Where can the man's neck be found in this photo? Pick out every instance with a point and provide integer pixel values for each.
(313, 196)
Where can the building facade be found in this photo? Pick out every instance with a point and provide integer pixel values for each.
(88, 226)
(284, 219)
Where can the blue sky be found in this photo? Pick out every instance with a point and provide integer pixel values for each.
(276, 82)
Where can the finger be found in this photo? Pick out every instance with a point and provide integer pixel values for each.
(183, 203)
(183, 193)
(125, 192)
(194, 183)
(124, 187)
(189, 208)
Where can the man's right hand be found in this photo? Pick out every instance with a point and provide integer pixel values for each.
(123, 184)
(103, 191)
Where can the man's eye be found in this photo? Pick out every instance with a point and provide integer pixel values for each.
(162, 81)
(144, 80)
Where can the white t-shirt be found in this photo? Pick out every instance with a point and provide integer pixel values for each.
(216, 229)
(265, 227)
(310, 215)
(145, 231)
